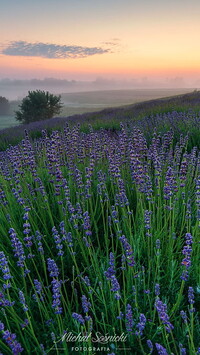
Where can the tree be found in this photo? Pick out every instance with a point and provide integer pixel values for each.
(38, 105)
(4, 106)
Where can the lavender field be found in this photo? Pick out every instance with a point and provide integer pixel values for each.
(100, 238)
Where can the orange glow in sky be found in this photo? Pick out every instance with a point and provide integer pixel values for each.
(85, 39)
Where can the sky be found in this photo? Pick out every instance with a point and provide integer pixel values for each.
(88, 39)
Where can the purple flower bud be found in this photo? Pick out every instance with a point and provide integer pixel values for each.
(191, 295)
(56, 285)
(150, 345)
(141, 325)
(162, 312)
(5, 268)
(182, 349)
(111, 270)
(52, 268)
(129, 318)
(10, 339)
(183, 316)
(22, 301)
(161, 349)
(157, 289)
(85, 304)
(128, 250)
(78, 318)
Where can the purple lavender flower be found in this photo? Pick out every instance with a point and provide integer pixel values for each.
(28, 238)
(162, 312)
(10, 339)
(58, 241)
(66, 236)
(23, 301)
(157, 243)
(141, 325)
(191, 295)
(38, 290)
(17, 248)
(86, 280)
(114, 215)
(115, 286)
(85, 304)
(25, 324)
(191, 298)
(39, 243)
(111, 270)
(147, 222)
(56, 285)
(187, 250)
(43, 350)
(52, 268)
(78, 318)
(157, 289)
(121, 315)
(129, 318)
(185, 275)
(161, 349)
(182, 349)
(128, 251)
(150, 345)
(4, 302)
(183, 316)
(5, 269)
(86, 224)
(170, 184)
(157, 247)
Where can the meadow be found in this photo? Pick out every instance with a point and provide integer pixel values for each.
(100, 232)
(91, 101)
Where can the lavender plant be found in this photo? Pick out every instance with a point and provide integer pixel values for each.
(100, 237)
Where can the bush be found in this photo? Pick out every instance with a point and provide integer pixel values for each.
(38, 105)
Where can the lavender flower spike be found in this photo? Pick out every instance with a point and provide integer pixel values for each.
(129, 318)
(5, 269)
(56, 296)
(141, 325)
(78, 318)
(52, 268)
(85, 304)
(10, 339)
(22, 301)
(162, 312)
(150, 345)
(161, 349)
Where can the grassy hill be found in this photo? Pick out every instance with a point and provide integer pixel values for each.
(141, 114)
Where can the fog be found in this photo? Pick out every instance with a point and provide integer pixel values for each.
(17, 89)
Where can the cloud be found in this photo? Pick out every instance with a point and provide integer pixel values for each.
(49, 50)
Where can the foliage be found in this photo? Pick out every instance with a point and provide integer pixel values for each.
(38, 105)
(4, 106)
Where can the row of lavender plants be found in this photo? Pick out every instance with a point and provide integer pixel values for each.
(182, 122)
(100, 244)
